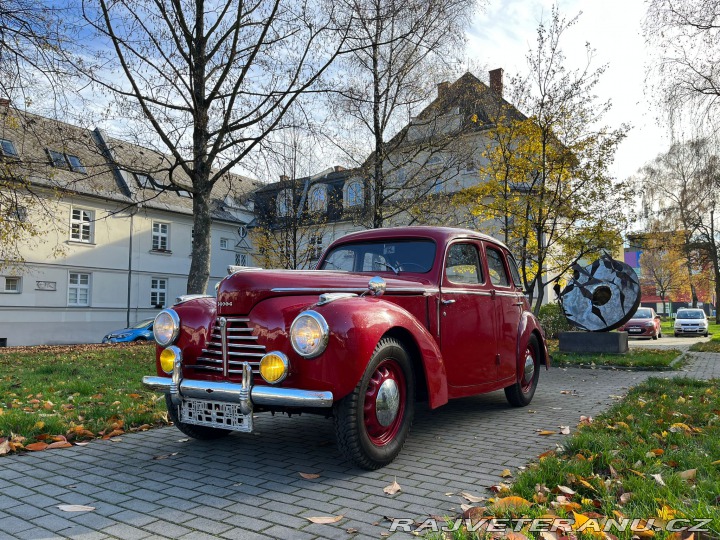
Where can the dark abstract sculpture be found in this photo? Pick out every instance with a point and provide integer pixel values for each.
(601, 296)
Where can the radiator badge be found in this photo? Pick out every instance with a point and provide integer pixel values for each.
(224, 304)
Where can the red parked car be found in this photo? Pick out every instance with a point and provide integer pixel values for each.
(389, 317)
(644, 323)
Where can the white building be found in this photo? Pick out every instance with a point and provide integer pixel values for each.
(115, 235)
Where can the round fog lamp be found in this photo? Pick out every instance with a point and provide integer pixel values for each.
(274, 367)
(168, 357)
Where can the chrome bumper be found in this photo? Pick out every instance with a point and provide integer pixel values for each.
(238, 393)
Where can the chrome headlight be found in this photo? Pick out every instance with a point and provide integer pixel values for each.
(166, 327)
(309, 334)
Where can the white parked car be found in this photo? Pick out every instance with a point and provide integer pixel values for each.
(691, 322)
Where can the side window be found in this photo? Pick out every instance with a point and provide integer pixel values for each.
(340, 259)
(514, 272)
(463, 264)
(496, 268)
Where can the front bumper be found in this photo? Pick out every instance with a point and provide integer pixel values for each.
(640, 331)
(691, 330)
(233, 393)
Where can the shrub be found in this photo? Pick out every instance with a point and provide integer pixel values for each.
(553, 320)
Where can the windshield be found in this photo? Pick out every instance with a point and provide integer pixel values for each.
(382, 256)
(142, 324)
(643, 313)
(694, 314)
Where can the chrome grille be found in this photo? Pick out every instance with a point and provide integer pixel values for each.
(231, 343)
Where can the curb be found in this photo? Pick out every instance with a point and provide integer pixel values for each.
(669, 367)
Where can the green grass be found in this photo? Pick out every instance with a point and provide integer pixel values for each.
(76, 392)
(647, 358)
(663, 427)
(708, 346)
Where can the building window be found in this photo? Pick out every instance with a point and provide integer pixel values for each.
(318, 199)
(158, 292)
(160, 236)
(81, 225)
(79, 289)
(355, 194)
(184, 193)
(75, 164)
(240, 259)
(224, 243)
(58, 159)
(13, 285)
(145, 181)
(316, 247)
(284, 203)
(7, 148)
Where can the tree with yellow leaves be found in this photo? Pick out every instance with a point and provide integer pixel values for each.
(548, 193)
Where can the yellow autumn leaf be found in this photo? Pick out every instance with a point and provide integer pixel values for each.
(716, 462)
(39, 425)
(587, 525)
(546, 432)
(509, 503)
(506, 473)
(666, 513)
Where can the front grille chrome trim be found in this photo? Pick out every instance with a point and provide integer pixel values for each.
(230, 344)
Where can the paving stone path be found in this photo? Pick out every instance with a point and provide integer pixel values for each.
(248, 486)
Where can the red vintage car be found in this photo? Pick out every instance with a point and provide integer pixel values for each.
(390, 316)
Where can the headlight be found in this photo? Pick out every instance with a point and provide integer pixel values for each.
(309, 334)
(274, 367)
(168, 357)
(648, 324)
(122, 335)
(166, 327)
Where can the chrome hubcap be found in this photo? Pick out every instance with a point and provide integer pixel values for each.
(529, 369)
(387, 403)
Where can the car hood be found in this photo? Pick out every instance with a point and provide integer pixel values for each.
(241, 291)
(638, 321)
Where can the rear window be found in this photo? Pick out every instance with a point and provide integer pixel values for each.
(395, 256)
(690, 314)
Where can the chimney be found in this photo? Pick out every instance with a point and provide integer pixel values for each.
(442, 88)
(284, 178)
(496, 81)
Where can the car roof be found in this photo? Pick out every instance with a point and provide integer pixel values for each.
(441, 235)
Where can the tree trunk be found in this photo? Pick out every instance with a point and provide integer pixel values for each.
(200, 262)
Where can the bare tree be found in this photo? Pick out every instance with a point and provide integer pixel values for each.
(210, 81)
(400, 50)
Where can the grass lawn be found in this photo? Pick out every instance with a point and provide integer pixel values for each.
(656, 454)
(708, 346)
(66, 394)
(648, 358)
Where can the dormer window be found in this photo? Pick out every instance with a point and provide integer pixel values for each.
(7, 148)
(75, 164)
(66, 161)
(145, 181)
(318, 199)
(284, 203)
(58, 159)
(354, 195)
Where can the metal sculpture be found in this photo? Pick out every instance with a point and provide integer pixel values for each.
(601, 296)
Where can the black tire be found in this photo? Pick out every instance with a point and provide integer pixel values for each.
(202, 433)
(705, 334)
(362, 439)
(521, 393)
(655, 336)
(676, 334)
(659, 335)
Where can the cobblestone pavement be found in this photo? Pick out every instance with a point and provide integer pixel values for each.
(248, 486)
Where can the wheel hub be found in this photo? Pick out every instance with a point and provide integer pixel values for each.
(387, 402)
(529, 369)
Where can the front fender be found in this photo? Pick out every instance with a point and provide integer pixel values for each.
(196, 320)
(529, 325)
(356, 326)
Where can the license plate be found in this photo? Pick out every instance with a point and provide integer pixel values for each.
(215, 414)
(635, 330)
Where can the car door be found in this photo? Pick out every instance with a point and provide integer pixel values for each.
(509, 305)
(467, 318)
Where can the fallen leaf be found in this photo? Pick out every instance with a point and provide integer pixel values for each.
(466, 507)
(393, 488)
(545, 432)
(688, 475)
(75, 508)
(81, 443)
(309, 476)
(39, 425)
(625, 497)
(546, 454)
(36, 447)
(658, 479)
(134, 396)
(4, 447)
(58, 444)
(324, 520)
(716, 462)
(566, 490)
(506, 473)
(515, 536)
(351, 530)
(165, 456)
(472, 498)
(564, 430)
(509, 503)
(499, 488)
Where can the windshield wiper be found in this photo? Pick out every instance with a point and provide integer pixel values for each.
(397, 272)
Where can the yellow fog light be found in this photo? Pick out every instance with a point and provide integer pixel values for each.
(274, 367)
(168, 357)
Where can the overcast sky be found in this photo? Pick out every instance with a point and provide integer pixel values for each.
(502, 35)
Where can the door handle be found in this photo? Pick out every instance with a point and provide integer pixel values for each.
(446, 302)
(519, 303)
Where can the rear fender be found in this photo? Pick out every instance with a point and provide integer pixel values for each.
(529, 325)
